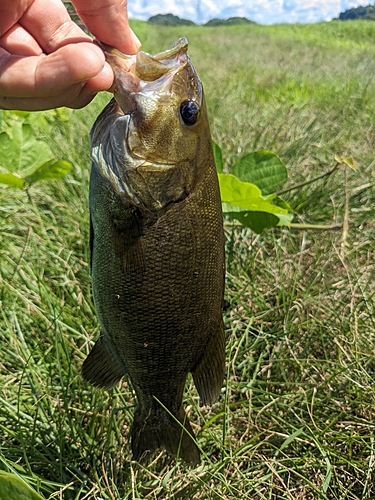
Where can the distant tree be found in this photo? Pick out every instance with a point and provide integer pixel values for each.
(228, 22)
(358, 13)
(170, 20)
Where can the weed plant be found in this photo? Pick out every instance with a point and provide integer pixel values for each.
(297, 415)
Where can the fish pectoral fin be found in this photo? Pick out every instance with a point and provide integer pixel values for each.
(127, 243)
(209, 372)
(102, 367)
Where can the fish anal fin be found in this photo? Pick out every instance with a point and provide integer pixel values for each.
(209, 372)
(102, 367)
(160, 430)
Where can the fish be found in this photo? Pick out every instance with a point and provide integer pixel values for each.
(156, 247)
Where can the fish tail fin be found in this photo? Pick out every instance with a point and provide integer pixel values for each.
(102, 367)
(158, 429)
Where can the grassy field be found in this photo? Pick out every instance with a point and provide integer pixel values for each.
(297, 418)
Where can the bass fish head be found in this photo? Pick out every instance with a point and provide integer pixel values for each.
(146, 141)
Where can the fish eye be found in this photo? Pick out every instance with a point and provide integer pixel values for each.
(189, 111)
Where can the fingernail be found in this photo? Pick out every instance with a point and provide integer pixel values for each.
(107, 73)
(102, 81)
(136, 40)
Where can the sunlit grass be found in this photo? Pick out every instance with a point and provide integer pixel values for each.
(296, 420)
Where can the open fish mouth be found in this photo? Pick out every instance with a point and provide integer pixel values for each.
(143, 72)
(145, 66)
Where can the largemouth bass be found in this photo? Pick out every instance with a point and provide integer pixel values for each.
(157, 247)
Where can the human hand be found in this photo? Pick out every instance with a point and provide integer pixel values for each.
(47, 61)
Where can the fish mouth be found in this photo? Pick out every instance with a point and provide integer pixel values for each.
(143, 72)
(145, 66)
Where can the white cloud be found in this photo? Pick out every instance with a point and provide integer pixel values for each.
(263, 12)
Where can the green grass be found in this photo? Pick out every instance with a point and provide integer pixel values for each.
(297, 419)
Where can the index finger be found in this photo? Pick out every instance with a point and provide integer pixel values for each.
(49, 75)
(49, 23)
(108, 21)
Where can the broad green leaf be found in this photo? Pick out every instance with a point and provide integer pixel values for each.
(347, 160)
(285, 219)
(285, 214)
(13, 488)
(276, 200)
(52, 170)
(257, 221)
(45, 120)
(12, 180)
(20, 114)
(246, 195)
(218, 157)
(262, 168)
(20, 151)
(242, 194)
(243, 201)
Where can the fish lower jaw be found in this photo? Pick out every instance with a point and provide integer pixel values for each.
(154, 167)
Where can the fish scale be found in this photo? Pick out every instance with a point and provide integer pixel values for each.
(157, 253)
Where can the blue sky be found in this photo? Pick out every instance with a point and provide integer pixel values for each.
(261, 11)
